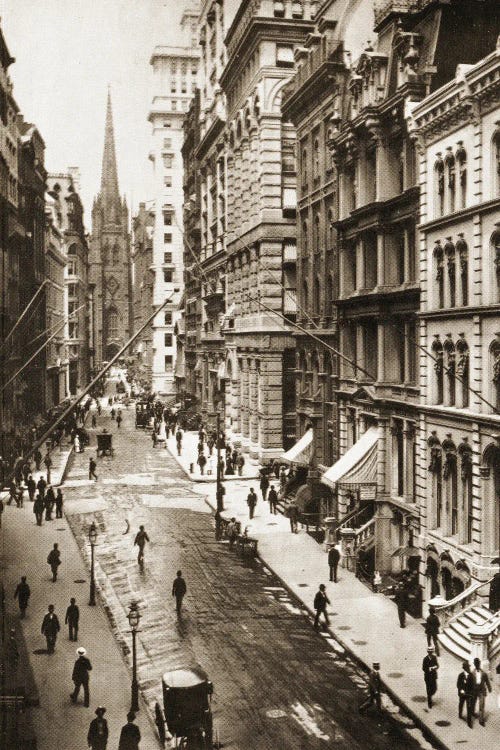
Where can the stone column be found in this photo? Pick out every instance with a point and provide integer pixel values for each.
(271, 404)
(360, 265)
(381, 373)
(244, 405)
(380, 259)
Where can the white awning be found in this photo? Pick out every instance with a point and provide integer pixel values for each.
(301, 451)
(358, 465)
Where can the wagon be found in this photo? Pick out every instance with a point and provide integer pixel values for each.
(142, 414)
(104, 444)
(186, 701)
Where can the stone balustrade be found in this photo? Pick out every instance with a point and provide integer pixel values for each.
(448, 609)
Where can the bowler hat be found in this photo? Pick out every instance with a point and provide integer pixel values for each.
(81, 651)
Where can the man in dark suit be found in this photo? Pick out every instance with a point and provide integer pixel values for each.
(430, 668)
(333, 561)
(374, 689)
(97, 737)
(462, 690)
(72, 618)
(320, 602)
(80, 676)
(273, 499)
(432, 626)
(478, 684)
(130, 735)
(50, 628)
(179, 590)
(22, 594)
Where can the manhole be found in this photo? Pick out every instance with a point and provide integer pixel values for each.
(360, 643)
(61, 529)
(276, 713)
(80, 580)
(443, 723)
(39, 651)
(419, 699)
(395, 674)
(303, 585)
(345, 627)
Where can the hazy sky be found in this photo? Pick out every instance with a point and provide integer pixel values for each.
(67, 51)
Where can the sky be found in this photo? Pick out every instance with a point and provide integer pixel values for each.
(67, 52)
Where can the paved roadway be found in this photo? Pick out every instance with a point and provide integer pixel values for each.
(277, 682)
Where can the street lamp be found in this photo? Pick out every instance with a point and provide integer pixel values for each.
(219, 493)
(92, 540)
(133, 617)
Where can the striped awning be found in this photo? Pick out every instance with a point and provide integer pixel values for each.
(358, 465)
(301, 451)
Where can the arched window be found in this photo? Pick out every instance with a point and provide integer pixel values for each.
(316, 237)
(116, 255)
(461, 159)
(449, 348)
(437, 350)
(435, 468)
(112, 324)
(496, 163)
(451, 179)
(329, 294)
(439, 265)
(495, 370)
(462, 367)
(316, 159)
(316, 301)
(495, 247)
(304, 167)
(330, 231)
(305, 244)
(305, 295)
(463, 256)
(451, 479)
(449, 251)
(465, 453)
(439, 185)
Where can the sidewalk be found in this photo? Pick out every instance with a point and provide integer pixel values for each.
(58, 723)
(190, 454)
(365, 624)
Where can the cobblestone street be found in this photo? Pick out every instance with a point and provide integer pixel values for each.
(277, 683)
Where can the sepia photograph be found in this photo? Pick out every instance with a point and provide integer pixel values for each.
(249, 374)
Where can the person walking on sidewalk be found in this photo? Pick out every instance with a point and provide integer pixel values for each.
(130, 735)
(264, 486)
(72, 619)
(179, 590)
(41, 485)
(59, 503)
(80, 676)
(251, 502)
(202, 462)
(31, 485)
(48, 465)
(463, 694)
(140, 539)
(22, 594)
(54, 560)
(178, 440)
(430, 668)
(273, 500)
(92, 468)
(50, 629)
(97, 737)
(320, 602)
(401, 599)
(119, 419)
(333, 561)
(50, 499)
(38, 459)
(38, 509)
(432, 626)
(231, 532)
(240, 463)
(478, 686)
(374, 689)
(293, 515)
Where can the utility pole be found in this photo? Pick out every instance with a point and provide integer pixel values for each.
(219, 494)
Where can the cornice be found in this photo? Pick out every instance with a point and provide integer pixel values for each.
(484, 311)
(465, 213)
(209, 138)
(312, 92)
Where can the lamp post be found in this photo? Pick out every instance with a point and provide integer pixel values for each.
(219, 493)
(133, 617)
(92, 540)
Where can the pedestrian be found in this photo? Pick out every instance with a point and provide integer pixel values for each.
(38, 459)
(20, 496)
(54, 560)
(251, 502)
(240, 463)
(31, 485)
(93, 420)
(80, 676)
(178, 440)
(320, 602)
(293, 516)
(59, 503)
(273, 499)
(478, 686)
(26, 472)
(202, 460)
(153, 437)
(50, 629)
(432, 626)
(50, 499)
(374, 689)
(231, 532)
(38, 509)
(99, 408)
(12, 493)
(264, 486)
(222, 467)
(282, 478)
(130, 735)
(113, 412)
(462, 689)
(48, 465)
(202, 434)
(97, 737)
(92, 468)
(430, 668)
(210, 445)
(22, 594)
(179, 590)
(41, 485)
(118, 419)
(76, 444)
(401, 599)
(333, 561)
(140, 539)
(72, 619)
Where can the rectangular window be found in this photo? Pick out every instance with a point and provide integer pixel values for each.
(168, 317)
(289, 198)
(168, 362)
(284, 56)
(167, 257)
(168, 339)
(167, 220)
(167, 124)
(168, 161)
(167, 180)
(167, 275)
(72, 290)
(173, 87)
(73, 330)
(174, 105)
(167, 238)
(167, 143)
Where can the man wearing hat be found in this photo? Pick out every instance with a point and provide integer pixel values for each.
(80, 676)
(97, 737)
(374, 688)
(430, 668)
(130, 735)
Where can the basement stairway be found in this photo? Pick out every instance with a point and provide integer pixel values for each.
(455, 636)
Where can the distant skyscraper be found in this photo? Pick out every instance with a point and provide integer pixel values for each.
(110, 266)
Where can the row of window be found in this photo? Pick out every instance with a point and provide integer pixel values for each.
(452, 498)
(380, 351)
(450, 173)
(446, 259)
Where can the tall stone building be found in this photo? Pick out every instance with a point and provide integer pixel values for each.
(174, 70)
(143, 227)
(110, 261)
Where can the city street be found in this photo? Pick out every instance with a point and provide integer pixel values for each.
(277, 682)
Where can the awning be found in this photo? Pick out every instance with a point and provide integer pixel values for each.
(301, 451)
(358, 465)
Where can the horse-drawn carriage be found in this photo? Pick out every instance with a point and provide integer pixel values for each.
(142, 414)
(186, 701)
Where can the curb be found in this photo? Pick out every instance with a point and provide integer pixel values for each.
(424, 728)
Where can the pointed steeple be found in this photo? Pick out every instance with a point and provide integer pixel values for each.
(110, 193)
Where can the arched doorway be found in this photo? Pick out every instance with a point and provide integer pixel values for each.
(490, 473)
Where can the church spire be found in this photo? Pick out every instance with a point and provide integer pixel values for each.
(109, 176)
